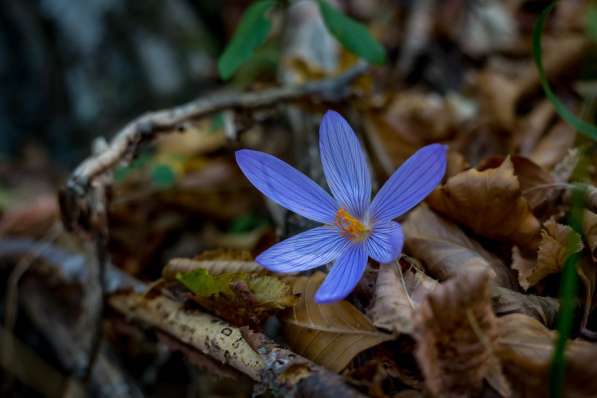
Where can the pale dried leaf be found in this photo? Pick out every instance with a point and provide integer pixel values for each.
(214, 267)
(490, 203)
(446, 250)
(525, 349)
(557, 242)
(328, 334)
(455, 330)
(397, 296)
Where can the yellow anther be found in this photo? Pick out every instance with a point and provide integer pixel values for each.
(351, 227)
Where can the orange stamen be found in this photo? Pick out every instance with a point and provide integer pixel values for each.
(350, 227)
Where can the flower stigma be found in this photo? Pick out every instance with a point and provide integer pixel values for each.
(351, 227)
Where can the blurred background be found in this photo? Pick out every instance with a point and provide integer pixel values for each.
(71, 71)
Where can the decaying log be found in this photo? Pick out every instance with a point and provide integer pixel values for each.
(204, 332)
(291, 375)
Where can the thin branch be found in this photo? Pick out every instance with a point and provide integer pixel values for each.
(149, 125)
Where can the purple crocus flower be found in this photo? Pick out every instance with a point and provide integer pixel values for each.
(354, 229)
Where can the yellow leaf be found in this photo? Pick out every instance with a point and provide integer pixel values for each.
(328, 334)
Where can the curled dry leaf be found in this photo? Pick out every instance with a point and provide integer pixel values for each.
(589, 229)
(397, 296)
(328, 334)
(525, 348)
(557, 243)
(534, 180)
(489, 202)
(455, 330)
(446, 250)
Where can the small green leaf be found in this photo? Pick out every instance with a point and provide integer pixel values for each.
(163, 176)
(241, 298)
(580, 125)
(122, 172)
(353, 35)
(200, 282)
(252, 32)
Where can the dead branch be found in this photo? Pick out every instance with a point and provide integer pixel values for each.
(76, 201)
(291, 375)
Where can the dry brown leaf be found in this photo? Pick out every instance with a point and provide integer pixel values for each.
(533, 178)
(455, 330)
(557, 242)
(489, 202)
(328, 334)
(525, 347)
(589, 229)
(446, 250)
(397, 296)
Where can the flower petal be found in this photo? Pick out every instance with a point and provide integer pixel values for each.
(410, 184)
(344, 276)
(287, 186)
(385, 243)
(344, 164)
(309, 249)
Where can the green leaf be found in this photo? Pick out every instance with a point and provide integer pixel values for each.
(580, 125)
(203, 284)
(252, 32)
(122, 172)
(163, 176)
(353, 35)
(241, 298)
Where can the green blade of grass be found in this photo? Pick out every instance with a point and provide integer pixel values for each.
(580, 125)
(568, 288)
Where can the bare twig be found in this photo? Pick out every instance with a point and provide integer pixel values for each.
(76, 204)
